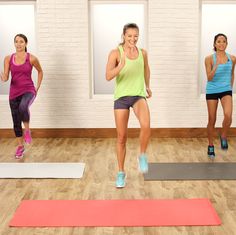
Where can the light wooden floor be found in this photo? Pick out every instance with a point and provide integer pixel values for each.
(98, 182)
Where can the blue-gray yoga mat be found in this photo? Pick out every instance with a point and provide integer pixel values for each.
(191, 171)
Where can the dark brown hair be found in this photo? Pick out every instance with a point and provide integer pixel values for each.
(22, 36)
(216, 37)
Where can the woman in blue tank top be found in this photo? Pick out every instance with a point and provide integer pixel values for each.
(220, 79)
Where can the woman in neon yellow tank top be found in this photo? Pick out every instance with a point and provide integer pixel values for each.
(129, 65)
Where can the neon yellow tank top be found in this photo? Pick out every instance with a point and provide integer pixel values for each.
(130, 81)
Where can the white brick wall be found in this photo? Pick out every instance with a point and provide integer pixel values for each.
(63, 49)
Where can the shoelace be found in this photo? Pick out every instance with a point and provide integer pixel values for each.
(224, 142)
(211, 149)
(143, 160)
(120, 177)
(19, 151)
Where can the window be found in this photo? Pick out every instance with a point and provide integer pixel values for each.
(107, 21)
(216, 18)
(15, 17)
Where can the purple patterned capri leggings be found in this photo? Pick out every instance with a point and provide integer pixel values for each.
(20, 111)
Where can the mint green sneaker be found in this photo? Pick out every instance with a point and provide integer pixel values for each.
(143, 163)
(120, 179)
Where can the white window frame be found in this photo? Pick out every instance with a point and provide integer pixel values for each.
(94, 2)
(5, 97)
(213, 2)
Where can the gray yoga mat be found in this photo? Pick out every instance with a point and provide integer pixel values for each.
(191, 171)
(42, 170)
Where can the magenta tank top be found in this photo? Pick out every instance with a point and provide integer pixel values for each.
(21, 80)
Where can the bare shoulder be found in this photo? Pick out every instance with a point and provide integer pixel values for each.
(7, 58)
(144, 52)
(34, 60)
(233, 58)
(114, 56)
(145, 56)
(209, 59)
(114, 53)
(33, 57)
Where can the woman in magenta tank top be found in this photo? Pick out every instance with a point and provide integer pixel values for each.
(22, 89)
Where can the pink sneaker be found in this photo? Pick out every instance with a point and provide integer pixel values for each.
(27, 137)
(20, 152)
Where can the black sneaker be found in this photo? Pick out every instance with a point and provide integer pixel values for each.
(223, 143)
(211, 151)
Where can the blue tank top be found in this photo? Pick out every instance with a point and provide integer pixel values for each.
(221, 81)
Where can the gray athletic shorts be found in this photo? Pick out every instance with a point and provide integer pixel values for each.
(126, 102)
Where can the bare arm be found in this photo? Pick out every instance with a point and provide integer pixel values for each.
(35, 63)
(5, 75)
(234, 62)
(147, 74)
(210, 69)
(114, 67)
